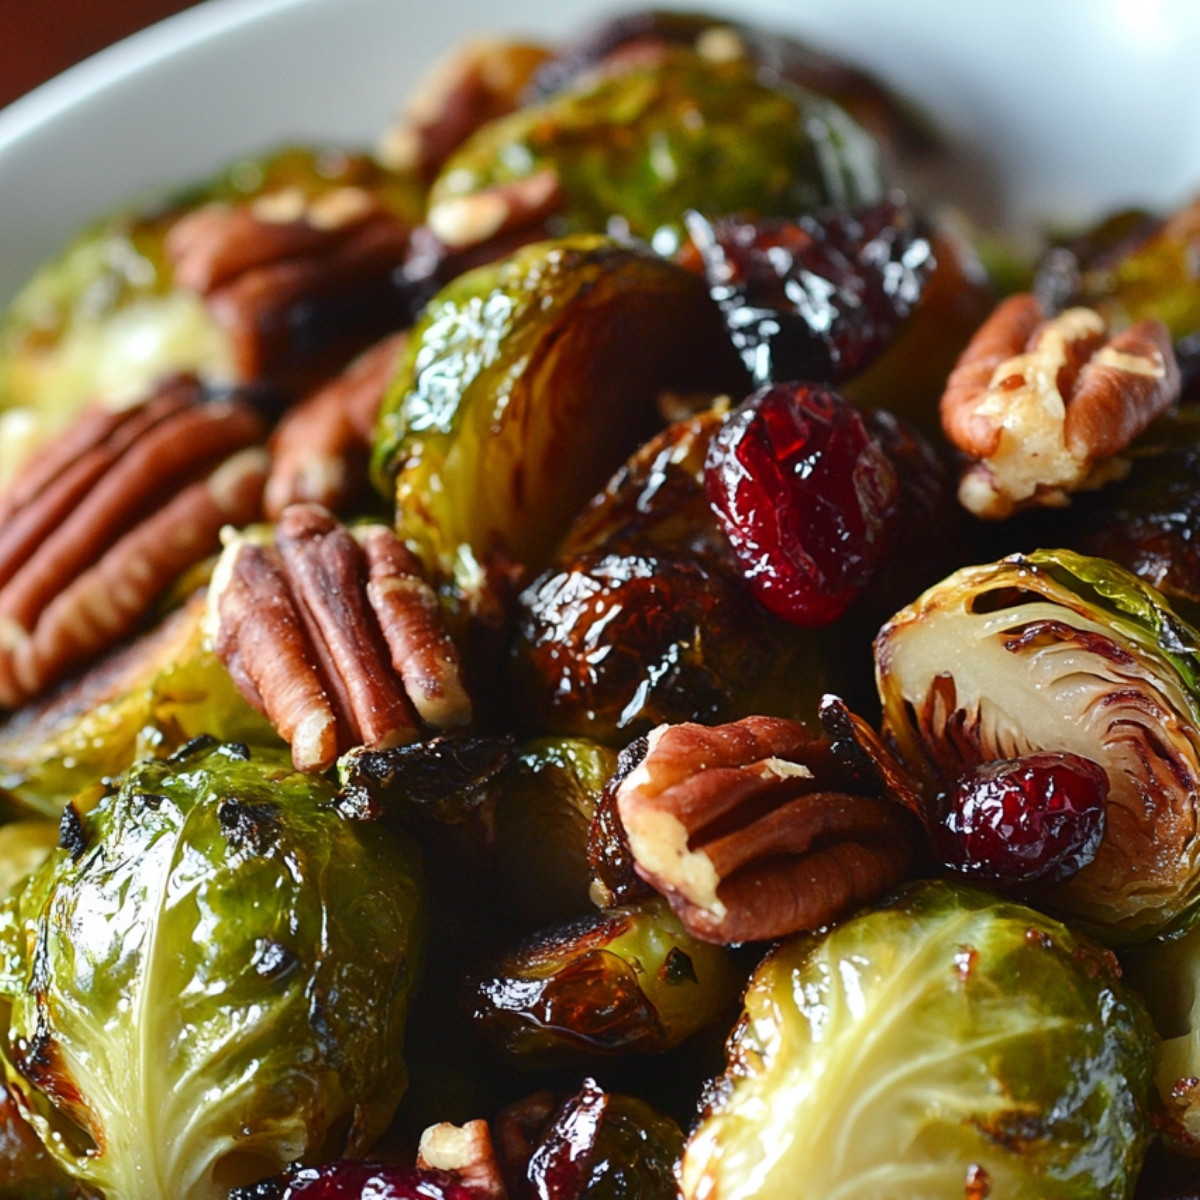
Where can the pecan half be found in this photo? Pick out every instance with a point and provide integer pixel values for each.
(751, 830)
(335, 635)
(497, 211)
(96, 528)
(297, 282)
(1045, 407)
(478, 81)
(320, 449)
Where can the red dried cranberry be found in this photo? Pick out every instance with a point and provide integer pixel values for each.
(805, 495)
(347, 1180)
(1025, 820)
(818, 297)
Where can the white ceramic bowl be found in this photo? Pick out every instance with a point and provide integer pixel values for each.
(1069, 107)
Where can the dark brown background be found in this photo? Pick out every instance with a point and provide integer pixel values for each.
(39, 38)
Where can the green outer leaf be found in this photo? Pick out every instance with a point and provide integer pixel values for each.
(946, 1029)
(1123, 595)
(217, 980)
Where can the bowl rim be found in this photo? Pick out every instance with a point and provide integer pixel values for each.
(172, 35)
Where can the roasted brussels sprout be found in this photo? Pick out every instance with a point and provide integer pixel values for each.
(542, 809)
(236, 280)
(208, 980)
(635, 149)
(947, 1044)
(1059, 652)
(1167, 976)
(525, 384)
(635, 36)
(628, 979)
(645, 617)
(149, 697)
(1130, 268)
(1147, 521)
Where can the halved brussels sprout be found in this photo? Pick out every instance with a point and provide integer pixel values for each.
(628, 979)
(209, 979)
(149, 697)
(637, 148)
(526, 383)
(945, 1045)
(1059, 652)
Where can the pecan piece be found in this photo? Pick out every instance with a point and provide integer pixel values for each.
(494, 212)
(477, 82)
(465, 1152)
(296, 282)
(1044, 407)
(94, 530)
(754, 830)
(320, 449)
(335, 636)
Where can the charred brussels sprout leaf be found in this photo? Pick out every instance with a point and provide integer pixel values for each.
(639, 147)
(632, 37)
(943, 1040)
(210, 979)
(524, 386)
(1058, 652)
(629, 979)
(613, 644)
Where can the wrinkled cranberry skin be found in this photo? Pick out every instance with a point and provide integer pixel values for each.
(817, 297)
(805, 496)
(1037, 819)
(348, 1180)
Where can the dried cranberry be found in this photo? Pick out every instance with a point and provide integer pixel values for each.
(805, 495)
(347, 1180)
(815, 297)
(1025, 820)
